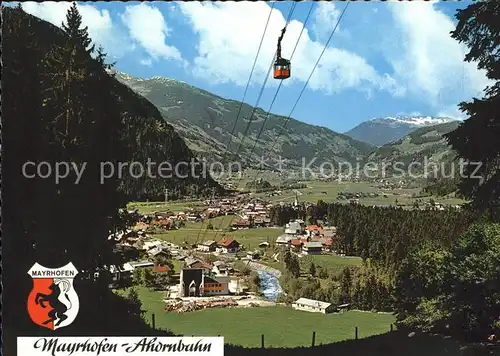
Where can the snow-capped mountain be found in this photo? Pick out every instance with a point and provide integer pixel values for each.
(380, 131)
(417, 121)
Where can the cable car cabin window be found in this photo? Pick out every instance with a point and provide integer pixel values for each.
(281, 71)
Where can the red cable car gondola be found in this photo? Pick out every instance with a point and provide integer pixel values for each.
(281, 65)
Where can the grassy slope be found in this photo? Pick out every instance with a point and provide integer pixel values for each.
(426, 141)
(281, 326)
(331, 262)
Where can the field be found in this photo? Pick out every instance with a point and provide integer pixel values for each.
(281, 326)
(332, 263)
(316, 191)
(190, 233)
(150, 207)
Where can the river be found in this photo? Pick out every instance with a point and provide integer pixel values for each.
(269, 280)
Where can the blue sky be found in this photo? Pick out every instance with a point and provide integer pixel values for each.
(386, 59)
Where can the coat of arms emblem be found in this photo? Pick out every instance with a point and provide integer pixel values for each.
(53, 302)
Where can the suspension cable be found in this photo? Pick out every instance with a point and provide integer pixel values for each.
(244, 94)
(287, 119)
(292, 9)
(281, 81)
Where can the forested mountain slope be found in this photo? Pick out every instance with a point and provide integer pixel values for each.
(206, 121)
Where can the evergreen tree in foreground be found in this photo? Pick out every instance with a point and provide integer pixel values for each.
(59, 106)
(477, 138)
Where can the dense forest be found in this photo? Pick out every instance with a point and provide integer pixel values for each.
(382, 234)
(61, 106)
(383, 237)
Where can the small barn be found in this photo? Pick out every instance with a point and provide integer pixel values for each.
(207, 246)
(312, 305)
(228, 245)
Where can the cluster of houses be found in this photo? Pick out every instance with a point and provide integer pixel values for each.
(252, 213)
(307, 239)
(169, 219)
(209, 278)
(196, 278)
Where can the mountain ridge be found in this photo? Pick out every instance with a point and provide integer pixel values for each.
(142, 132)
(205, 121)
(383, 130)
(424, 143)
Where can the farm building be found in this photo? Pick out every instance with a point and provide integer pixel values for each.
(297, 244)
(284, 240)
(312, 305)
(207, 246)
(295, 227)
(121, 275)
(138, 264)
(215, 285)
(227, 244)
(194, 263)
(220, 269)
(314, 230)
(241, 224)
(253, 255)
(160, 250)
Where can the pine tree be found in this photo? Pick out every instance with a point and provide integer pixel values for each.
(134, 302)
(79, 37)
(312, 269)
(345, 285)
(476, 139)
(286, 259)
(294, 266)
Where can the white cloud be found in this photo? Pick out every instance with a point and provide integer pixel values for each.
(409, 114)
(148, 28)
(148, 62)
(229, 35)
(452, 112)
(100, 25)
(326, 16)
(427, 60)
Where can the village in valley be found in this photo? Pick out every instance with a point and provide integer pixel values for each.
(221, 271)
(268, 256)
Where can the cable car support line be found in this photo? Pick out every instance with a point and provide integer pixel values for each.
(273, 64)
(287, 119)
(292, 9)
(281, 82)
(244, 94)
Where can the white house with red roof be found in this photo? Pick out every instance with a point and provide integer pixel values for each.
(228, 245)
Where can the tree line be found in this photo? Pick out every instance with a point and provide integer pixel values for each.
(382, 234)
(366, 287)
(60, 105)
